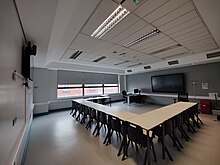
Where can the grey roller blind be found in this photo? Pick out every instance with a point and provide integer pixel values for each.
(93, 78)
(110, 78)
(69, 77)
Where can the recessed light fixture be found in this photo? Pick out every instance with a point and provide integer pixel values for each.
(122, 54)
(120, 63)
(147, 67)
(75, 54)
(174, 62)
(143, 37)
(110, 22)
(99, 59)
(134, 65)
(165, 49)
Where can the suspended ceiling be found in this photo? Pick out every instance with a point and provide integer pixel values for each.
(61, 27)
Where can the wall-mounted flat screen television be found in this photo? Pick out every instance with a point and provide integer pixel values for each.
(172, 83)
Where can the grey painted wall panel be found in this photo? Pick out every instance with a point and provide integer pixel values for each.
(206, 73)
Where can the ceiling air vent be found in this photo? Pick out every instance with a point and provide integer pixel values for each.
(75, 54)
(173, 62)
(147, 67)
(134, 65)
(213, 55)
(120, 63)
(165, 49)
(129, 71)
(99, 59)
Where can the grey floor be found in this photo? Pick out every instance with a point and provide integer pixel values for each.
(57, 139)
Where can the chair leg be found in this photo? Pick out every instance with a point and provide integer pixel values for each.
(154, 153)
(95, 129)
(126, 150)
(106, 138)
(109, 138)
(183, 133)
(145, 157)
(121, 147)
(98, 130)
(178, 148)
(136, 146)
(168, 154)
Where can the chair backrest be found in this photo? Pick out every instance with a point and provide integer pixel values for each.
(183, 97)
(124, 93)
(103, 118)
(136, 90)
(115, 124)
(135, 133)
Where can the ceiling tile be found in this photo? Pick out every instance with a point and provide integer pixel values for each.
(83, 42)
(187, 30)
(136, 35)
(121, 26)
(196, 32)
(178, 21)
(187, 42)
(132, 29)
(164, 9)
(184, 26)
(68, 53)
(186, 8)
(171, 52)
(150, 41)
(148, 7)
(100, 14)
(159, 46)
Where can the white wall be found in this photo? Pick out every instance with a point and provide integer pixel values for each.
(45, 89)
(12, 92)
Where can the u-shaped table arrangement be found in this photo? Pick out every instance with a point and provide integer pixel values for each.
(174, 115)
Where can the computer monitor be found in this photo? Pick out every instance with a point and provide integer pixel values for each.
(136, 90)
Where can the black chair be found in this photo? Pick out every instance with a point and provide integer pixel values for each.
(102, 118)
(135, 135)
(92, 117)
(124, 93)
(114, 125)
(168, 130)
(136, 91)
(183, 97)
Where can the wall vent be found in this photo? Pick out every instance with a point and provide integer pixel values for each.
(75, 54)
(99, 59)
(213, 55)
(129, 71)
(147, 67)
(173, 62)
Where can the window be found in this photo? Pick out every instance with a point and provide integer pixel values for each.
(93, 89)
(110, 88)
(70, 90)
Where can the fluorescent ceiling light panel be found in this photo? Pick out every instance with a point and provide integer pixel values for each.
(165, 49)
(134, 65)
(99, 59)
(124, 62)
(75, 54)
(110, 22)
(143, 37)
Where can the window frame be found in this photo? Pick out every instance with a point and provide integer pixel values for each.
(84, 86)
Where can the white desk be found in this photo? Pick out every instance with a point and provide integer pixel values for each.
(148, 120)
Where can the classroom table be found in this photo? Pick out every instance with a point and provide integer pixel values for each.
(147, 121)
